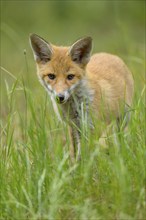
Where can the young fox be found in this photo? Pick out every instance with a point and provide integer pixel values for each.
(77, 81)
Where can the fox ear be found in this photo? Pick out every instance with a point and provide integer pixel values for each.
(42, 50)
(80, 50)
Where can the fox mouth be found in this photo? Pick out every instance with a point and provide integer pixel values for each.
(62, 98)
(61, 101)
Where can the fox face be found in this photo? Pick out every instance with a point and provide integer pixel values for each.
(61, 69)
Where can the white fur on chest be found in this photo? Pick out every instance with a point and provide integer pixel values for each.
(77, 107)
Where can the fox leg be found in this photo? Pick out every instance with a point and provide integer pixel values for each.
(78, 146)
(121, 124)
(72, 150)
(102, 140)
(75, 145)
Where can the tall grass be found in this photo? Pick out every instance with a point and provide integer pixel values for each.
(39, 182)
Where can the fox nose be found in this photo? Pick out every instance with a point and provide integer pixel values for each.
(60, 98)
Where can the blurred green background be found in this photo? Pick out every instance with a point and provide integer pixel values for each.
(115, 26)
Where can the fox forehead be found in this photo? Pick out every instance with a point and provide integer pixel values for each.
(60, 60)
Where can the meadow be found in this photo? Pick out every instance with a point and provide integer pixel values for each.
(37, 180)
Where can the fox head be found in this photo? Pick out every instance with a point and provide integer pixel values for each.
(61, 69)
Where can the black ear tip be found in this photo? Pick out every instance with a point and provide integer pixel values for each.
(89, 39)
(32, 36)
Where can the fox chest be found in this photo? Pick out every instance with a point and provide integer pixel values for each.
(76, 110)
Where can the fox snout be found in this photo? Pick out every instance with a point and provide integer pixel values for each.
(61, 98)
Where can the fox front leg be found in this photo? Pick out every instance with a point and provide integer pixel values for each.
(75, 145)
(71, 147)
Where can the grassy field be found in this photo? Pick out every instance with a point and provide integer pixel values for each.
(37, 180)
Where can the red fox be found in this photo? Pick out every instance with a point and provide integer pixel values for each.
(73, 77)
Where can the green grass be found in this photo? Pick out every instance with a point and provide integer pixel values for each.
(38, 180)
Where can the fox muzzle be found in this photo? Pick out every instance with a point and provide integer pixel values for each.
(60, 98)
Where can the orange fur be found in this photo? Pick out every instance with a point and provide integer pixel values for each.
(109, 76)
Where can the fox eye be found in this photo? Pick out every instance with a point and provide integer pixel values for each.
(51, 76)
(70, 76)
